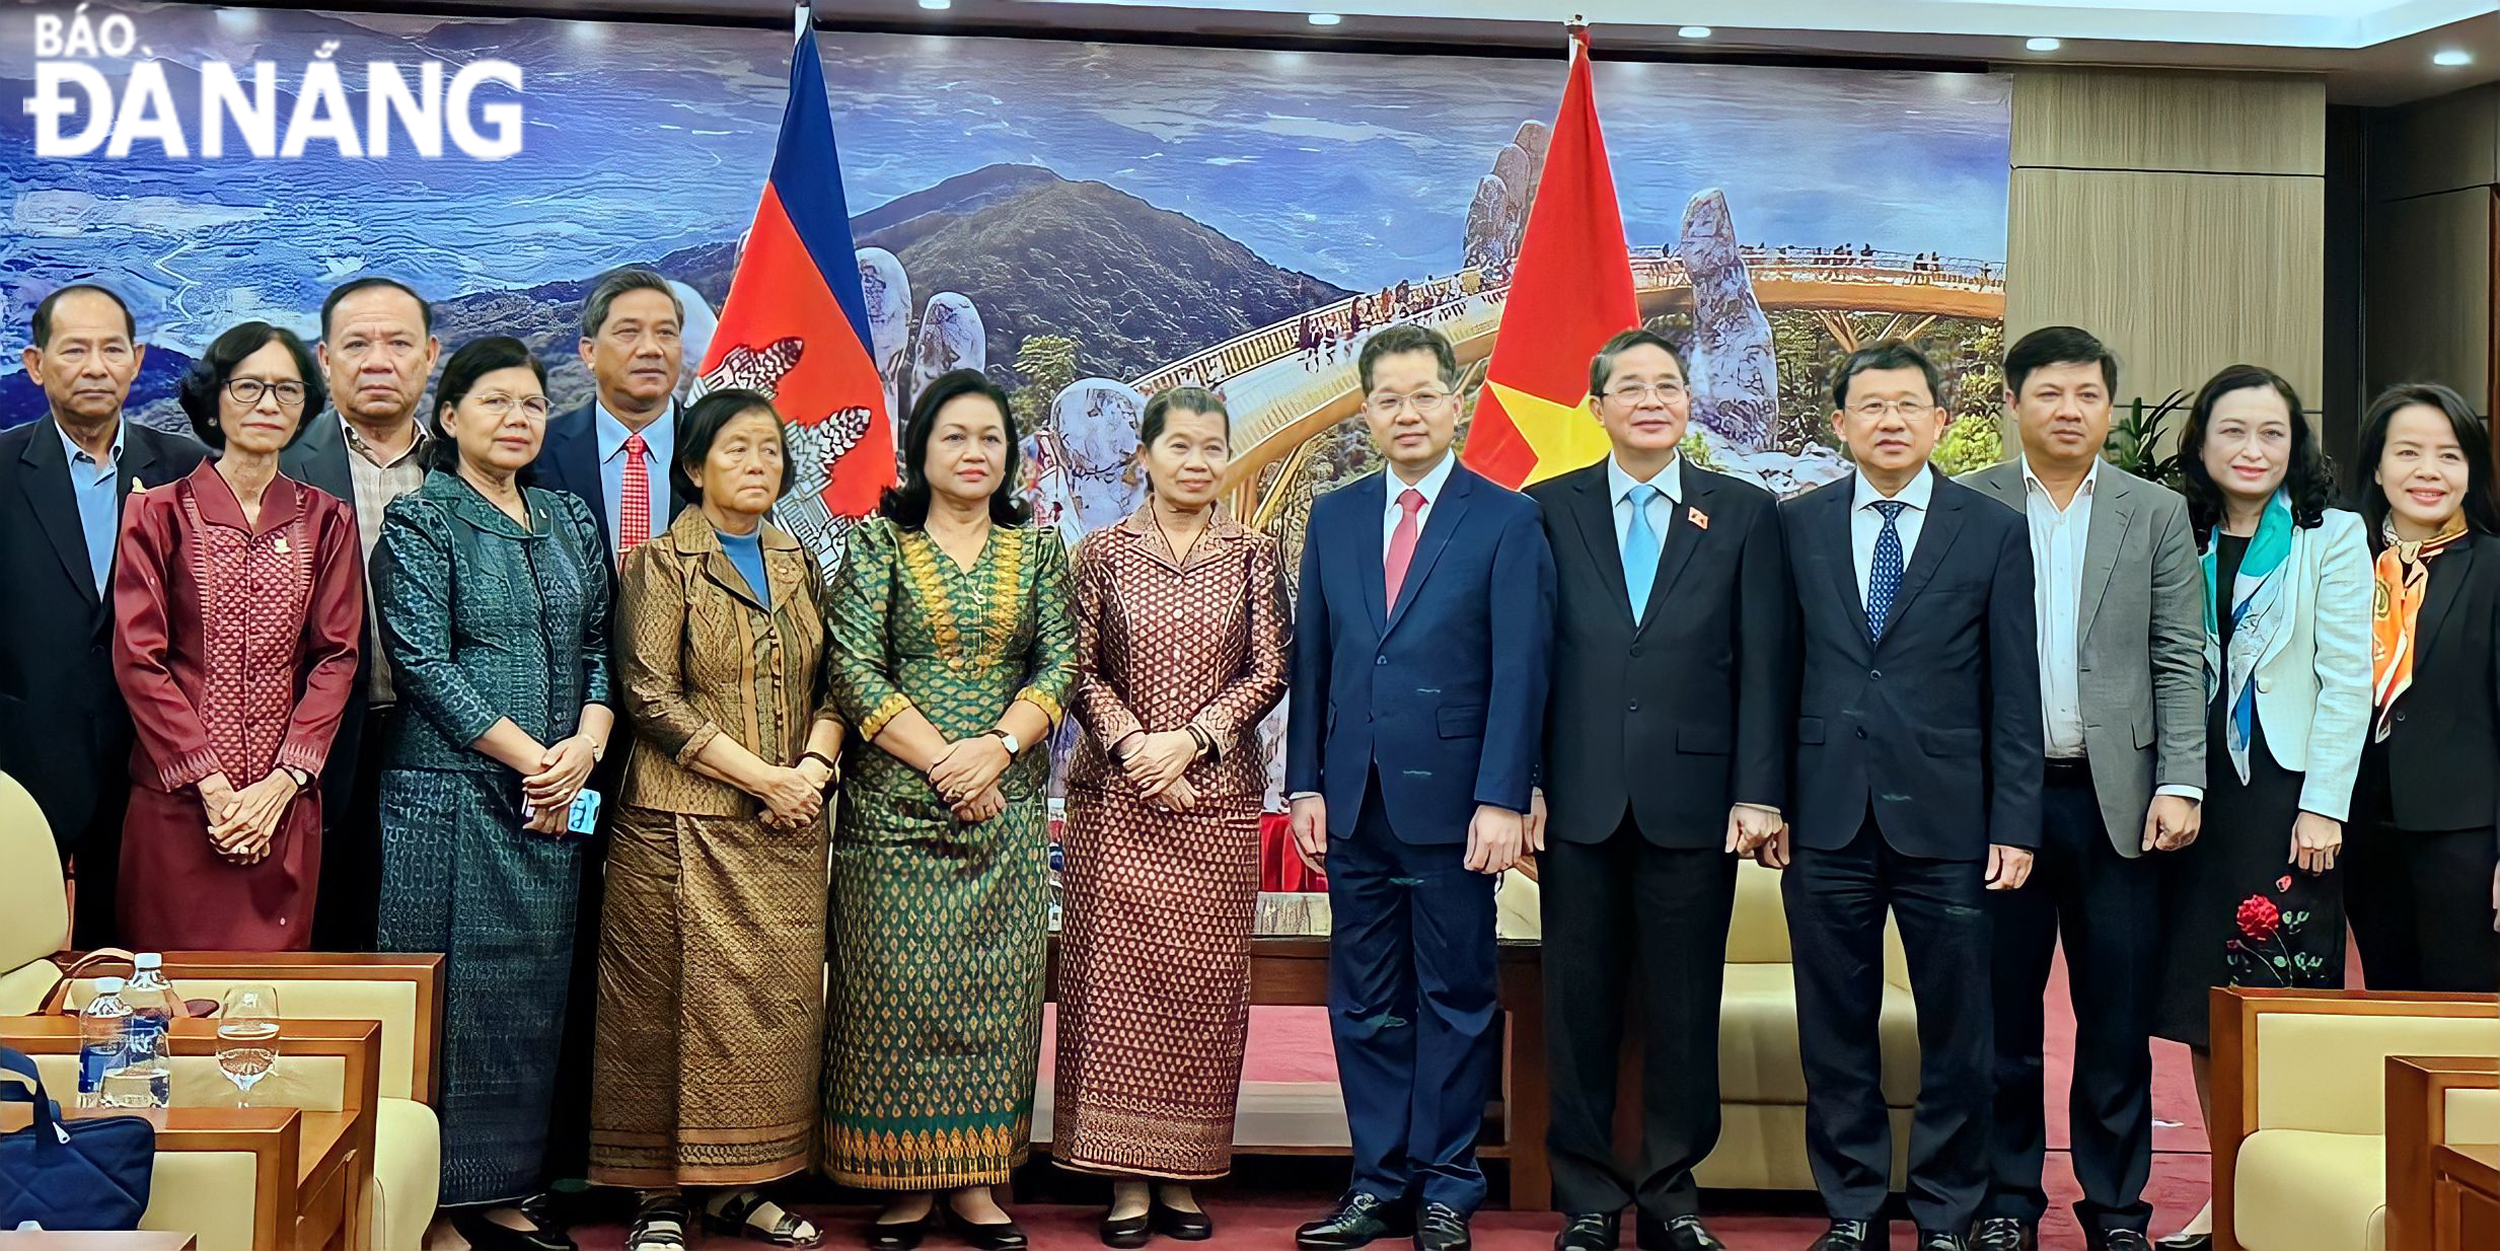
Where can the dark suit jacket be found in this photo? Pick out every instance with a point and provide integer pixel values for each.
(2445, 736)
(319, 458)
(1938, 725)
(1688, 713)
(569, 461)
(1441, 693)
(64, 733)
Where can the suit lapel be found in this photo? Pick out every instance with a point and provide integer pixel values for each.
(1373, 550)
(580, 459)
(1593, 515)
(2108, 532)
(1840, 556)
(2441, 596)
(46, 482)
(1682, 539)
(1447, 513)
(1935, 536)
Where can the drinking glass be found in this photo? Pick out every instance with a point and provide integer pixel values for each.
(247, 1037)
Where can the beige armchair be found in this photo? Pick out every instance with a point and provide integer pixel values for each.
(34, 910)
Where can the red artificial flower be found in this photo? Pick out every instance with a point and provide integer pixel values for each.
(2259, 918)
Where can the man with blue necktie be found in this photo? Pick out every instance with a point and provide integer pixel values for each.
(1918, 774)
(1666, 758)
(1419, 674)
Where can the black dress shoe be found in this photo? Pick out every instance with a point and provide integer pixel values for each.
(900, 1235)
(1128, 1231)
(2116, 1240)
(1683, 1233)
(1589, 1231)
(1442, 1228)
(992, 1236)
(1941, 1240)
(1182, 1226)
(490, 1235)
(2186, 1242)
(1847, 1236)
(1359, 1220)
(2003, 1233)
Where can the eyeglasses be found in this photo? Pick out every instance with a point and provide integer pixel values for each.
(248, 392)
(1877, 410)
(1637, 392)
(501, 406)
(1424, 401)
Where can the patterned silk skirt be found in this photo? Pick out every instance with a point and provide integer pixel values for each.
(933, 1028)
(711, 1001)
(1154, 984)
(460, 876)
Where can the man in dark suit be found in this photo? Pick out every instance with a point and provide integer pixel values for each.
(2122, 694)
(64, 732)
(378, 349)
(1419, 676)
(1917, 790)
(1666, 757)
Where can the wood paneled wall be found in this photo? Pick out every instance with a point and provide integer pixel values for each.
(2178, 215)
(2428, 227)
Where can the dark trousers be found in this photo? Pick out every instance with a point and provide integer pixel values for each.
(1608, 906)
(1836, 902)
(568, 1122)
(1411, 1002)
(2107, 909)
(98, 859)
(349, 907)
(2420, 907)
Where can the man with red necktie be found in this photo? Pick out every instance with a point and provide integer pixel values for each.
(1419, 675)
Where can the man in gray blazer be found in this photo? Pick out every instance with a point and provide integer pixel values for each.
(2122, 692)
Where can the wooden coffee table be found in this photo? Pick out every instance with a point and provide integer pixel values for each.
(2468, 1198)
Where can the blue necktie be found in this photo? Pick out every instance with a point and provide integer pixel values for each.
(1884, 579)
(1640, 549)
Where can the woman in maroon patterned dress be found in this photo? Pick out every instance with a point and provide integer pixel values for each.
(238, 607)
(1181, 638)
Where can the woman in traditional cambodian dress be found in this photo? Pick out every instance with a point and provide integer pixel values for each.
(494, 606)
(952, 657)
(712, 939)
(1181, 649)
(238, 606)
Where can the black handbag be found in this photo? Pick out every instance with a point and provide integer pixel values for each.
(91, 1173)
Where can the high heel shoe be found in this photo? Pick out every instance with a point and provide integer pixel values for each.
(1003, 1235)
(900, 1235)
(484, 1234)
(2186, 1242)
(1171, 1222)
(1127, 1232)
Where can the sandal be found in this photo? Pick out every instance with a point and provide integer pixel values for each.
(659, 1224)
(748, 1214)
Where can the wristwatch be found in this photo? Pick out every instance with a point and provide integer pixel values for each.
(302, 780)
(1008, 737)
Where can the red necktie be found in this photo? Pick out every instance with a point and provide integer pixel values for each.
(633, 510)
(1402, 541)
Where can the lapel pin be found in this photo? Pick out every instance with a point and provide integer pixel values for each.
(283, 549)
(1700, 519)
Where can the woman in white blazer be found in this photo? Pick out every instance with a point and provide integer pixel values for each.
(2255, 901)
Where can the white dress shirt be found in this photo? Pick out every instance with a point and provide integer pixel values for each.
(1866, 524)
(659, 451)
(1661, 507)
(2057, 543)
(1430, 487)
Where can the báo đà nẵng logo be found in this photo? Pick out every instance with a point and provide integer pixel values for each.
(79, 109)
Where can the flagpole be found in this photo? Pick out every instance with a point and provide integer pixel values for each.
(800, 20)
(1575, 36)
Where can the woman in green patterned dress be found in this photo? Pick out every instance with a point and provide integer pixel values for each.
(952, 651)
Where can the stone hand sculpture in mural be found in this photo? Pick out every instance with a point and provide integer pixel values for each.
(951, 337)
(1499, 213)
(1735, 374)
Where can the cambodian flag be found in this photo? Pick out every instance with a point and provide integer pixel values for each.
(796, 327)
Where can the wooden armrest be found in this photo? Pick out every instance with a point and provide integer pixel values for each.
(2417, 1124)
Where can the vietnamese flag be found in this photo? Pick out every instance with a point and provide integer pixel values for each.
(795, 325)
(1570, 291)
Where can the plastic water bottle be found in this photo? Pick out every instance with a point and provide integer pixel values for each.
(148, 1070)
(103, 1041)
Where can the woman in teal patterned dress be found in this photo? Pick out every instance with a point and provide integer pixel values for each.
(494, 606)
(952, 652)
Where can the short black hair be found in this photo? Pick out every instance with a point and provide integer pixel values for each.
(1406, 337)
(1887, 354)
(2059, 345)
(2309, 479)
(2473, 438)
(205, 382)
(474, 360)
(43, 311)
(614, 285)
(1186, 399)
(1602, 365)
(906, 503)
(699, 427)
(330, 304)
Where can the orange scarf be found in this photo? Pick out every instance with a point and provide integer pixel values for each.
(2403, 576)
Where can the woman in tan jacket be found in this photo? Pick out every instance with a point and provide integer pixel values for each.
(712, 946)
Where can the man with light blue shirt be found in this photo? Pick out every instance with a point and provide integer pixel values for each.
(617, 450)
(1666, 758)
(64, 734)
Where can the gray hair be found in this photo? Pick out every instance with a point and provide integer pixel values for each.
(613, 286)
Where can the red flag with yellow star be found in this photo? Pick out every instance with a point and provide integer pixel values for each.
(1570, 291)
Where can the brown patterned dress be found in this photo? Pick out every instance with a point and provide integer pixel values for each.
(712, 943)
(1154, 972)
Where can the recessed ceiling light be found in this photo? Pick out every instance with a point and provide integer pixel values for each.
(937, 4)
(1693, 32)
(2043, 43)
(1325, 19)
(2452, 56)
